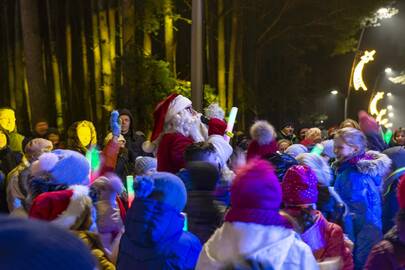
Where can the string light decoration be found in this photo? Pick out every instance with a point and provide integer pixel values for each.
(358, 81)
(380, 115)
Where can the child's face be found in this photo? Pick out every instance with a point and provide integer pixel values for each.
(342, 150)
(400, 138)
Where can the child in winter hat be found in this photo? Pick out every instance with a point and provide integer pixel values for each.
(154, 236)
(296, 149)
(145, 165)
(254, 228)
(71, 209)
(110, 211)
(40, 246)
(300, 194)
(63, 167)
(329, 202)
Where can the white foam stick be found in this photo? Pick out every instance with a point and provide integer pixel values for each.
(231, 123)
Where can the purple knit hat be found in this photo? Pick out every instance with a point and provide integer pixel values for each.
(300, 186)
(256, 196)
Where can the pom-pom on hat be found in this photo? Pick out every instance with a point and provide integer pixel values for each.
(256, 195)
(263, 140)
(69, 209)
(300, 186)
(64, 166)
(163, 187)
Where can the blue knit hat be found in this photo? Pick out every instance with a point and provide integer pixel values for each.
(64, 166)
(34, 245)
(163, 187)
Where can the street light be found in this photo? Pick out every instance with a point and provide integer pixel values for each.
(388, 70)
(391, 114)
(389, 94)
(390, 108)
(382, 13)
(334, 92)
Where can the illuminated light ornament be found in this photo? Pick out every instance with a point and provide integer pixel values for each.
(94, 158)
(358, 81)
(373, 104)
(379, 114)
(130, 189)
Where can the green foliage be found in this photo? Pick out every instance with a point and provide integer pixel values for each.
(149, 81)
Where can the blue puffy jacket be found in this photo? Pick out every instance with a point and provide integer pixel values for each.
(358, 184)
(154, 239)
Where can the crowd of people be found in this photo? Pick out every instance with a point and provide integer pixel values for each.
(204, 197)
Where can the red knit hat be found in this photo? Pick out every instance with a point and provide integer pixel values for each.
(256, 195)
(401, 193)
(216, 126)
(300, 186)
(64, 208)
(165, 110)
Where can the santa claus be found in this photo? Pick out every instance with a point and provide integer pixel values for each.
(176, 126)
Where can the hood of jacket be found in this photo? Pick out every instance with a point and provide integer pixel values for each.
(151, 227)
(73, 141)
(271, 246)
(374, 164)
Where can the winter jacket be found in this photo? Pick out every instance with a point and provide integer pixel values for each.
(204, 214)
(92, 241)
(273, 247)
(390, 205)
(326, 241)
(133, 139)
(16, 191)
(358, 183)
(154, 239)
(389, 254)
(8, 161)
(330, 204)
(170, 153)
(17, 141)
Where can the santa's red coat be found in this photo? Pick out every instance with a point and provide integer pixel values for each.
(170, 153)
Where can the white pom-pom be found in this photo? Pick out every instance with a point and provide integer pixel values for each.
(47, 161)
(262, 132)
(148, 147)
(214, 111)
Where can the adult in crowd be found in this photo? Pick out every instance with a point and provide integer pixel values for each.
(8, 124)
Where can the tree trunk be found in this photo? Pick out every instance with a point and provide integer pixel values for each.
(221, 54)
(147, 44)
(232, 54)
(105, 56)
(169, 36)
(97, 63)
(9, 50)
(32, 53)
(55, 71)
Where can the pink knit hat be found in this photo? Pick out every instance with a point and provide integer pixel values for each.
(256, 195)
(300, 186)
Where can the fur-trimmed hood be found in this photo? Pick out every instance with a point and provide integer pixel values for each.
(374, 164)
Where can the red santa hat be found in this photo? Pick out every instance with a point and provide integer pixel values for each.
(164, 112)
(69, 209)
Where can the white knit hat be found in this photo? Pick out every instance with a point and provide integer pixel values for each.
(318, 165)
